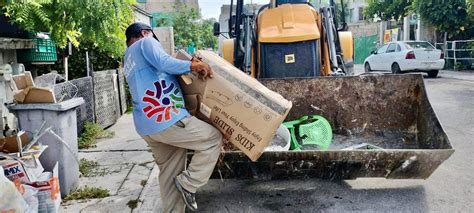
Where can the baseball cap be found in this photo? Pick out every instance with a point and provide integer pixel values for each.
(136, 28)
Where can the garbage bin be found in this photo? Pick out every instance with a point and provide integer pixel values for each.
(62, 118)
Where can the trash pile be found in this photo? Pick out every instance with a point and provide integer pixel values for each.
(26, 186)
(38, 152)
(312, 132)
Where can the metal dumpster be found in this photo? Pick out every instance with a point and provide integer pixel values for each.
(390, 111)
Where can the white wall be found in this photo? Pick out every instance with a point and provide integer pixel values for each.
(140, 17)
(355, 5)
(166, 36)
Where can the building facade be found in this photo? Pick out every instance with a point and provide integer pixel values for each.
(356, 10)
(163, 9)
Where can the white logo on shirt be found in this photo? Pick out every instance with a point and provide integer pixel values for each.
(129, 65)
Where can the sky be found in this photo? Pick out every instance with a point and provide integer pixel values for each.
(212, 8)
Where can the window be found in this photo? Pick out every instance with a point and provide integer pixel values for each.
(391, 48)
(361, 13)
(399, 48)
(351, 15)
(419, 45)
(382, 49)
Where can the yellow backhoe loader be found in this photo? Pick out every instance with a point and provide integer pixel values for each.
(382, 125)
(288, 39)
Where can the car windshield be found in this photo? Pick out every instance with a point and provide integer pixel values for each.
(419, 45)
(382, 49)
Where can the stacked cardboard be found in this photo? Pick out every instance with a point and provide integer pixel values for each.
(26, 91)
(236, 104)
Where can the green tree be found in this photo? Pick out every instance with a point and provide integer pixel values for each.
(208, 38)
(470, 8)
(189, 28)
(100, 23)
(99, 60)
(339, 11)
(185, 27)
(446, 16)
(388, 9)
(470, 12)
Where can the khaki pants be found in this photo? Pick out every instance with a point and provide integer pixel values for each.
(169, 149)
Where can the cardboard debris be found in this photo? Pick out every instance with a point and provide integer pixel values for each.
(10, 145)
(234, 103)
(23, 81)
(16, 171)
(35, 95)
(27, 93)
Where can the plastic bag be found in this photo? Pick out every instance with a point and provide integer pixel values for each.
(10, 198)
(30, 194)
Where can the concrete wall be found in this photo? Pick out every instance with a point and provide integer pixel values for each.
(427, 32)
(6, 95)
(364, 29)
(166, 36)
(7, 56)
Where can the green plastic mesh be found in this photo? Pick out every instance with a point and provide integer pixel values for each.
(318, 133)
(311, 130)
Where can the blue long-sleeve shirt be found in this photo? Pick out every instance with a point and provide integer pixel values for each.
(151, 75)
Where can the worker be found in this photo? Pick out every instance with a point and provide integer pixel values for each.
(162, 120)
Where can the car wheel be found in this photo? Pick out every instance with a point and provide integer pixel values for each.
(433, 73)
(367, 67)
(396, 69)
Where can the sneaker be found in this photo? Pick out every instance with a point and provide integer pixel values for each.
(188, 197)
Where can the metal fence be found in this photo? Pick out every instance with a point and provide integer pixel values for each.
(85, 112)
(459, 55)
(122, 91)
(104, 95)
(65, 90)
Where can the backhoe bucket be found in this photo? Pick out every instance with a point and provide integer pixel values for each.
(390, 112)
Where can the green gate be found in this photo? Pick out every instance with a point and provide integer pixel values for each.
(363, 46)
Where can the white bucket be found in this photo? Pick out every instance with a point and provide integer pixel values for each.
(281, 140)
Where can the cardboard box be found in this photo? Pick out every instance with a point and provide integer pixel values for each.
(10, 145)
(235, 103)
(16, 171)
(35, 95)
(26, 91)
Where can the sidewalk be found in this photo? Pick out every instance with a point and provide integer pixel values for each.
(465, 75)
(459, 75)
(126, 168)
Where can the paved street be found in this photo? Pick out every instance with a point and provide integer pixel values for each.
(130, 174)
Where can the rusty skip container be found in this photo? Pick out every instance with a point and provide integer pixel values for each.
(390, 111)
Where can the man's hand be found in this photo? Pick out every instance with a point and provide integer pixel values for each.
(226, 136)
(202, 69)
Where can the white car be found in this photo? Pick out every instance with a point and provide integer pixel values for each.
(401, 56)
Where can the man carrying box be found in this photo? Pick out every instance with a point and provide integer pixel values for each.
(162, 120)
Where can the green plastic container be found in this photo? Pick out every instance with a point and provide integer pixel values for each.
(45, 51)
(310, 130)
